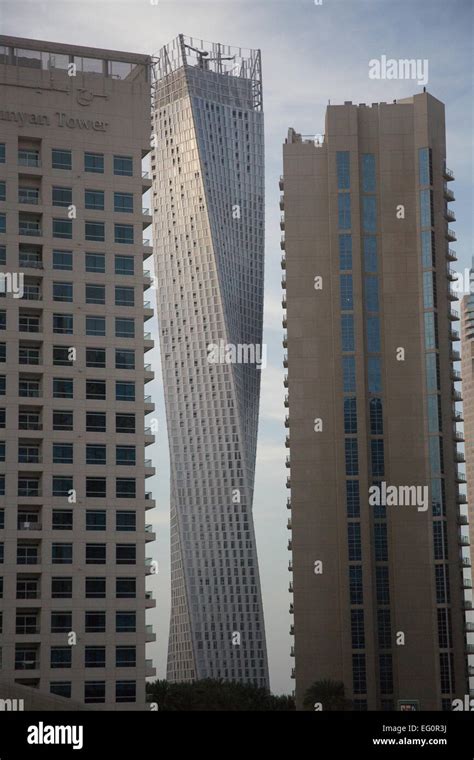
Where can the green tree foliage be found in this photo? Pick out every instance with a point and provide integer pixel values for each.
(214, 694)
(330, 694)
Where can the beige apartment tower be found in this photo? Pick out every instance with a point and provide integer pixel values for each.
(467, 353)
(74, 128)
(379, 535)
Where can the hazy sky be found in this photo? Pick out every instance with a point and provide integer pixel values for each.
(311, 53)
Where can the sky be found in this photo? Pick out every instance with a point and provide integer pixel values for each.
(311, 53)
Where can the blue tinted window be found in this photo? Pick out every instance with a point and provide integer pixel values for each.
(344, 211)
(62, 260)
(426, 249)
(380, 536)
(428, 290)
(373, 335)
(376, 416)
(425, 208)
(359, 680)
(2, 153)
(430, 330)
(350, 416)
(377, 457)
(431, 373)
(345, 252)
(346, 292)
(353, 539)
(369, 213)
(352, 498)
(347, 332)
(343, 169)
(352, 457)
(94, 162)
(357, 629)
(368, 173)
(435, 457)
(433, 417)
(123, 233)
(371, 294)
(123, 166)
(386, 673)
(437, 501)
(355, 584)
(374, 374)
(370, 253)
(348, 370)
(424, 165)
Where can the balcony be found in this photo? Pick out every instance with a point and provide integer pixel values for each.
(149, 500)
(461, 477)
(150, 600)
(147, 279)
(288, 524)
(283, 282)
(282, 243)
(450, 235)
(293, 673)
(29, 228)
(284, 322)
(453, 315)
(451, 255)
(456, 376)
(459, 457)
(282, 222)
(290, 566)
(280, 182)
(282, 202)
(285, 361)
(292, 652)
(285, 341)
(292, 630)
(288, 483)
(455, 356)
(462, 519)
(448, 174)
(28, 195)
(149, 469)
(150, 535)
(31, 293)
(149, 633)
(449, 215)
(466, 583)
(149, 436)
(466, 562)
(149, 669)
(287, 462)
(290, 587)
(287, 421)
(454, 335)
(287, 442)
(149, 374)
(467, 604)
(149, 404)
(146, 181)
(453, 295)
(283, 262)
(448, 194)
(285, 381)
(29, 158)
(288, 503)
(461, 498)
(469, 627)
(289, 545)
(463, 540)
(291, 609)
(283, 301)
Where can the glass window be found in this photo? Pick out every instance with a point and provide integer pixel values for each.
(62, 453)
(374, 374)
(95, 294)
(352, 498)
(124, 327)
(432, 373)
(428, 290)
(347, 332)
(382, 584)
(123, 233)
(123, 202)
(425, 208)
(62, 228)
(62, 196)
(124, 358)
(96, 453)
(61, 588)
(352, 457)
(3, 190)
(62, 519)
(431, 331)
(125, 622)
(95, 231)
(95, 326)
(95, 588)
(123, 166)
(94, 692)
(96, 519)
(345, 252)
(61, 356)
(63, 420)
(96, 554)
(95, 622)
(63, 323)
(343, 169)
(357, 629)
(61, 622)
(62, 291)
(96, 488)
(369, 213)
(384, 629)
(348, 370)
(61, 158)
(125, 691)
(368, 173)
(380, 538)
(125, 423)
(376, 416)
(350, 415)
(427, 249)
(371, 293)
(61, 554)
(63, 388)
(124, 265)
(95, 262)
(95, 357)
(124, 296)
(354, 544)
(125, 554)
(125, 488)
(62, 485)
(125, 455)
(96, 422)
(62, 260)
(125, 657)
(3, 223)
(370, 253)
(94, 162)
(124, 391)
(94, 199)
(2, 153)
(435, 454)
(377, 455)
(424, 166)
(344, 211)
(345, 281)
(95, 389)
(125, 588)
(355, 584)
(373, 335)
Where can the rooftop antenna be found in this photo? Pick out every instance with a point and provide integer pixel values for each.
(203, 56)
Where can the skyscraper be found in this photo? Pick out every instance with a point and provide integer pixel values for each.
(208, 195)
(74, 129)
(467, 369)
(378, 575)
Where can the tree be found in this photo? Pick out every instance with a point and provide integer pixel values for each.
(329, 694)
(215, 694)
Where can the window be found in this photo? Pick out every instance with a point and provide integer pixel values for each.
(95, 622)
(96, 422)
(123, 233)
(63, 453)
(94, 692)
(96, 554)
(124, 265)
(96, 453)
(380, 539)
(125, 622)
(61, 657)
(431, 330)
(371, 294)
(3, 224)
(355, 584)
(3, 191)
(62, 485)
(3, 320)
(345, 281)
(386, 674)
(125, 657)
(348, 371)
(63, 323)
(95, 326)
(26, 554)
(95, 262)
(61, 588)
(3, 260)
(95, 519)
(96, 488)
(368, 173)
(125, 423)
(94, 199)
(125, 588)
(95, 231)
(126, 521)
(2, 153)
(124, 358)
(357, 629)
(125, 455)
(442, 584)
(62, 228)
(62, 196)
(124, 391)
(432, 373)
(61, 688)
(125, 488)
(61, 158)
(62, 291)
(125, 691)
(124, 327)
(434, 447)
(370, 254)
(353, 538)
(352, 457)
(123, 202)
(369, 213)
(343, 169)
(95, 294)
(63, 388)
(384, 629)
(374, 374)
(61, 554)
(123, 166)
(95, 588)
(95, 357)
(424, 166)
(376, 416)
(94, 162)
(61, 356)
(429, 290)
(373, 335)
(427, 249)
(63, 420)
(62, 260)
(434, 416)
(345, 252)
(347, 332)
(125, 554)
(350, 416)
(95, 389)
(425, 208)
(377, 457)
(344, 211)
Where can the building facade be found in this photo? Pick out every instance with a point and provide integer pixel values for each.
(467, 370)
(74, 128)
(208, 196)
(379, 541)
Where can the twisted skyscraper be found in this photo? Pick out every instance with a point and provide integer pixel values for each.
(209, 239)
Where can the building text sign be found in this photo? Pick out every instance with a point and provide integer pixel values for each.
(61, 120)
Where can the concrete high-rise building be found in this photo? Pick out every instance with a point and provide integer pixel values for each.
(467, 370)
(208, 197)
(379, 574)
(75, 125)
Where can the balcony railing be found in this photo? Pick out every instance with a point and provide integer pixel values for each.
(29, 228)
